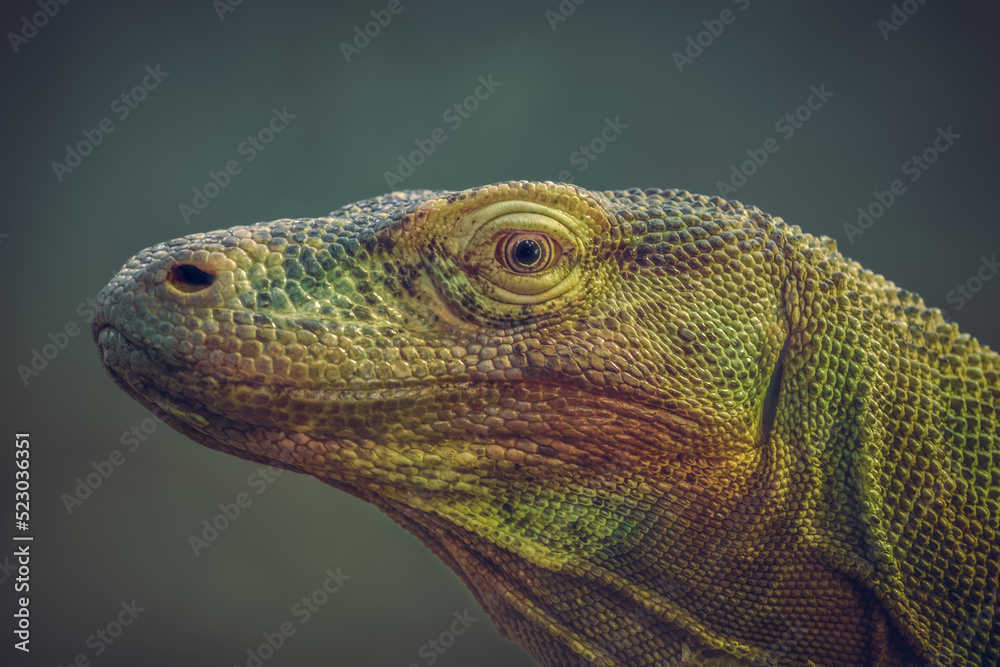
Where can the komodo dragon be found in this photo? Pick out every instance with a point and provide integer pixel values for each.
(645, 427)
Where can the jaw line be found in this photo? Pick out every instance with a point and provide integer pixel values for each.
(197, 419)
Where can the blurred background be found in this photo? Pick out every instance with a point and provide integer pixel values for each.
(116, 115)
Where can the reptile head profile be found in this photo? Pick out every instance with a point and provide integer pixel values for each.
(567, 395)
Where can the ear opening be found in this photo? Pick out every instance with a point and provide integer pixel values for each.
(769, 407)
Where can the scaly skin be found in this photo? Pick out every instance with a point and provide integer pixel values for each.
(644, 427)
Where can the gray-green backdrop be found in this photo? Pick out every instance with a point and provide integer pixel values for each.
(116, 113)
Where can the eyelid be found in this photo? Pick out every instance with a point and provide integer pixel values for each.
(520, 215)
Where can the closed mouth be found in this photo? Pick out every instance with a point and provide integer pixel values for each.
(141, 371)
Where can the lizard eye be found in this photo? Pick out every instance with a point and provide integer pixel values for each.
(519, 252)
(527, 252)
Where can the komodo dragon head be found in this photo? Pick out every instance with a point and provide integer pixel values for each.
(573, 398)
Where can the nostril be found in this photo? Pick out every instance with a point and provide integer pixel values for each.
(189, 278)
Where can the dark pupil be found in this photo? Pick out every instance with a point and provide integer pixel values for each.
(527, 252)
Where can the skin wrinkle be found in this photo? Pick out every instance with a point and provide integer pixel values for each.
(607, 451)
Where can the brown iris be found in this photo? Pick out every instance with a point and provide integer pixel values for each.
(527, 252)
